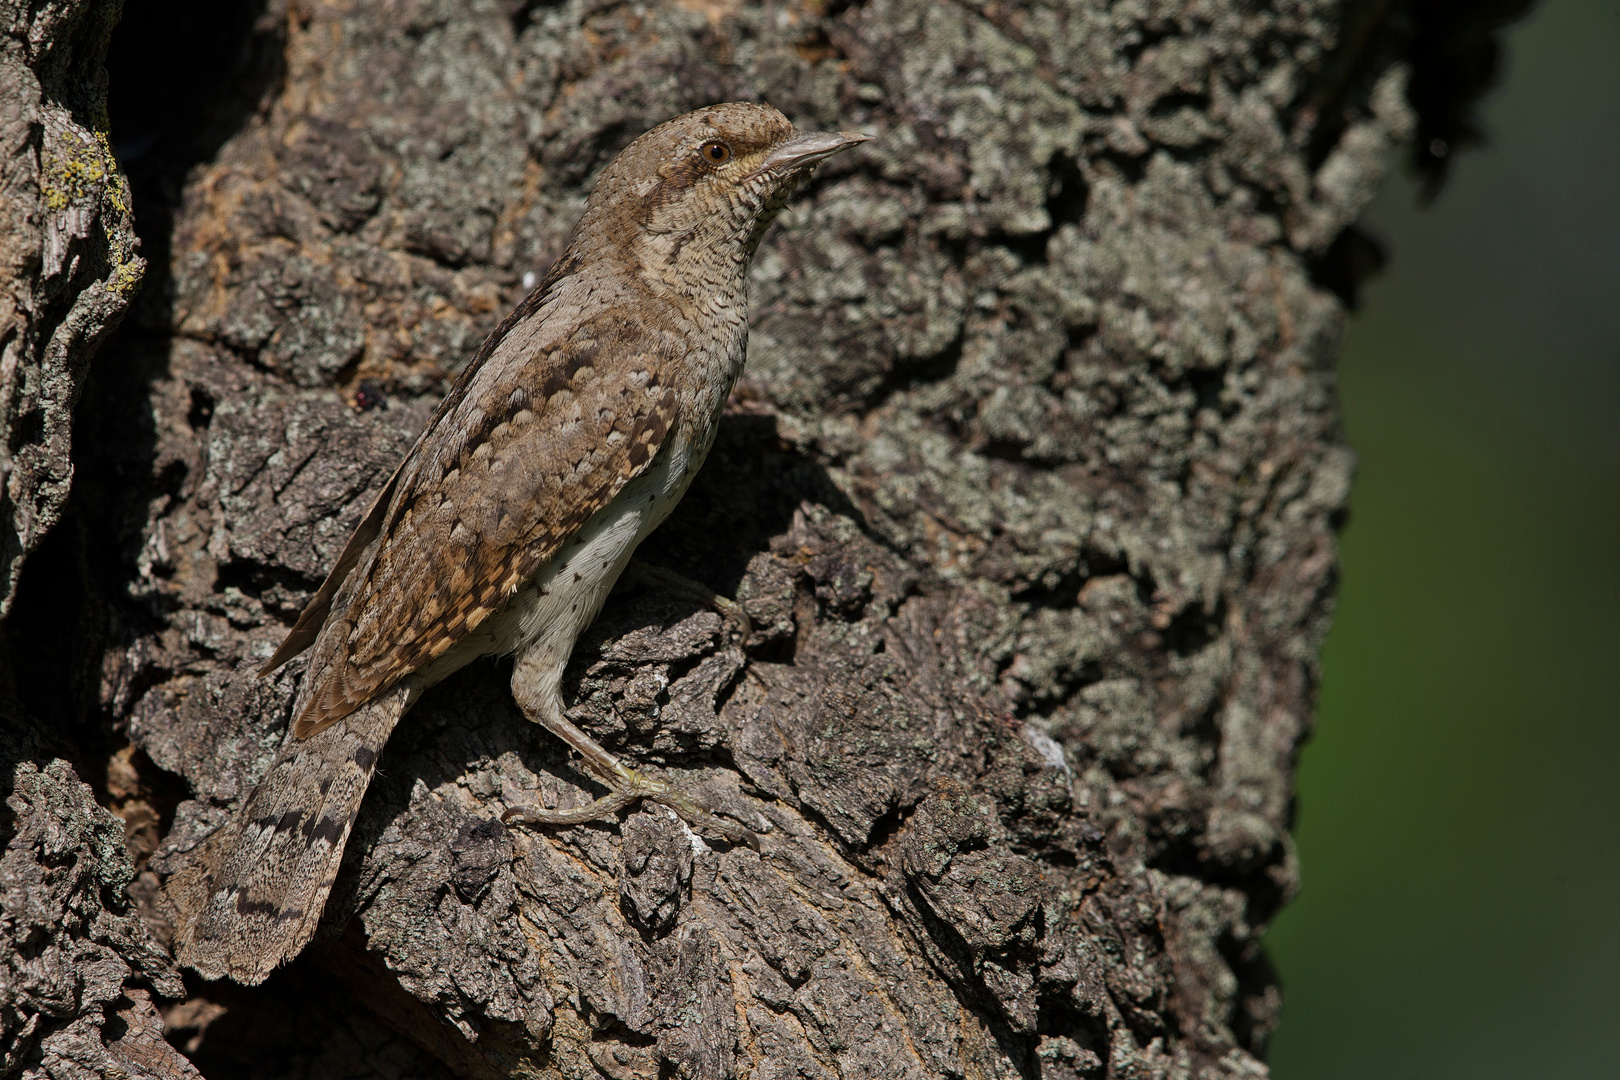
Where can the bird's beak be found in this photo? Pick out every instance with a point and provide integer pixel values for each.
(805, 150)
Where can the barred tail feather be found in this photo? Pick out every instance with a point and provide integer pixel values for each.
(251, 899)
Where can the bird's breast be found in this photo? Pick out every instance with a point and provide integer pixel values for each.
(566, 594)
(556, 604)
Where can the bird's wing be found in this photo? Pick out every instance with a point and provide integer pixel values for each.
(313, 617)
(507, 472)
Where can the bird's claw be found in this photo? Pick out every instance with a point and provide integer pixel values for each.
(630, 786)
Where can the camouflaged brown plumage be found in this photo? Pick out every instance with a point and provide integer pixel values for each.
(572, 433)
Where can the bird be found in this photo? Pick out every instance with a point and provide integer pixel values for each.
(571, 434)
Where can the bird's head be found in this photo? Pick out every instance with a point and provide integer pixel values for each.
(698, 192)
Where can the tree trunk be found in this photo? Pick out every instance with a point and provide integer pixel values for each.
(1030, 493)
(68, 266)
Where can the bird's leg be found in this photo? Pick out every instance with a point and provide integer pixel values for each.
(640, 573)
(535, 689)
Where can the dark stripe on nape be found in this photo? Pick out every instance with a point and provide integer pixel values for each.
(365, 757)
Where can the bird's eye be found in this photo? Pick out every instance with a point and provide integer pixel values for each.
(715, 152)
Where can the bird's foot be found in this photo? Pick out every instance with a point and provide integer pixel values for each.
(642, 573)
(625, 785)
(605, 808)
(629, 786)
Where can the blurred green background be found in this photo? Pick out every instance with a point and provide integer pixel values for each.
(1459, 803)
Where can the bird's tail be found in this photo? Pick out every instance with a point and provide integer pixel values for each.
(251, 898)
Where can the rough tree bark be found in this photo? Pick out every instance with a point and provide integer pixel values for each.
(1030, 491)
(78, 969)
(68, 267)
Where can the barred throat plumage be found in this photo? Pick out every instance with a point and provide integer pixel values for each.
(573, 432)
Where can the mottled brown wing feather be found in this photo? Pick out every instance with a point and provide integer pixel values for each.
(313, 617)
(492, 490)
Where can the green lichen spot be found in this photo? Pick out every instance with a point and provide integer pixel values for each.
(75, 173)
